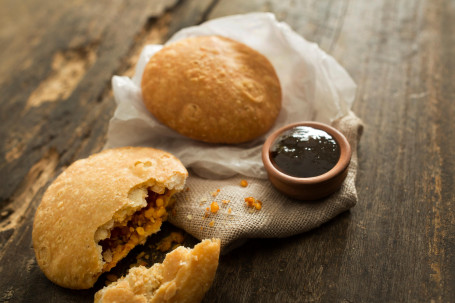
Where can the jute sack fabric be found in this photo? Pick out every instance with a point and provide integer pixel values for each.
(279, 216)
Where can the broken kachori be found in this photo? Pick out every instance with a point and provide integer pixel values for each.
(184, 277)
(101, 207)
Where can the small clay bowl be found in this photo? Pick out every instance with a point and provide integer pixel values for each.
(311, 188)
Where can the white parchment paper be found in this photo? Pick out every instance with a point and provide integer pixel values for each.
(315, 87)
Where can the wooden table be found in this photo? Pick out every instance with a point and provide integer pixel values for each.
(396, 245)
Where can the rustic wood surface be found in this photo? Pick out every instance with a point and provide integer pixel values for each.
(396, 245)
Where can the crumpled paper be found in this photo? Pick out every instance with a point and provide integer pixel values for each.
(314, 86)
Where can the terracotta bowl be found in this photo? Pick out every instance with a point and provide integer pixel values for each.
(311, 188)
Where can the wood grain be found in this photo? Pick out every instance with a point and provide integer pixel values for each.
(396, 245)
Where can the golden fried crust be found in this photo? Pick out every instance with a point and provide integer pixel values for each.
(184, 276)
(89, 193)
(212, 89)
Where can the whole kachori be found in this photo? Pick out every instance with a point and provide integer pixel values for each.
(213, 89)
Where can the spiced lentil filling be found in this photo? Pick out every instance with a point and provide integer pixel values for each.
(125, 235)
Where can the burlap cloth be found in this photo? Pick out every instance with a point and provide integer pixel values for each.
(279, 216)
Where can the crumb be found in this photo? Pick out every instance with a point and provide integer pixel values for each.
(225, 201)
(243, 183)
(212, 223)
(252, 202)
(249, 201)
(214, 207)
(215, 193)
(139, 260)
(166, 243)
(207, 212)
(229, 210)
(189, 217)
(140, 231)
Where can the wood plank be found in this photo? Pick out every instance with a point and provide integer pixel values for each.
(103, 38)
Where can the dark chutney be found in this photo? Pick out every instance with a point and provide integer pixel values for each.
(304, 152)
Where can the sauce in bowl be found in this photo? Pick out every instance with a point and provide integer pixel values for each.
(304, 152)
(306, 160)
